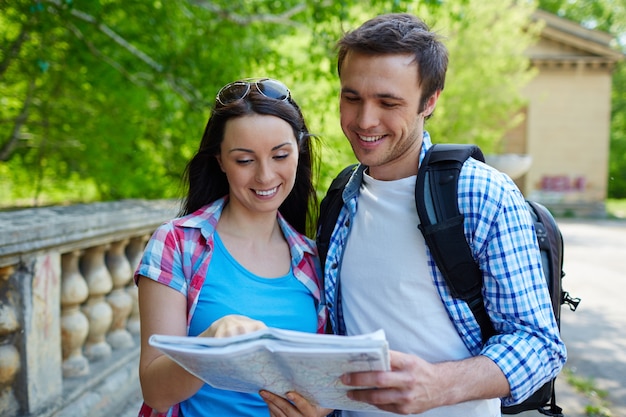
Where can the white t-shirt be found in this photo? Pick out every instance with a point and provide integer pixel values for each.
(386, 283)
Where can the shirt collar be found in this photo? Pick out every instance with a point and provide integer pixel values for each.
(206, 219)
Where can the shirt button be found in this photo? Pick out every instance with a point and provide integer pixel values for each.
(334, 265)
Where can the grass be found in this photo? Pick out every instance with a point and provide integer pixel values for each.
(598, 399)
(616, 208)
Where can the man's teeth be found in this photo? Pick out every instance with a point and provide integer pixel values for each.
(370, 138)
(266, 192)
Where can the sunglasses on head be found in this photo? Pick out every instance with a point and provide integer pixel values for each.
(238, 90)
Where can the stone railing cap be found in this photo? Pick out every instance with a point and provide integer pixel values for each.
(35, 229)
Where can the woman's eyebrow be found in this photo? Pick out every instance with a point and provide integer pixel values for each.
(251, 151)
(282, 145)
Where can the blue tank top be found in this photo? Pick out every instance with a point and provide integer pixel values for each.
(229, 288)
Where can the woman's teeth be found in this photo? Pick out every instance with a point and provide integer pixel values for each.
(266, 192)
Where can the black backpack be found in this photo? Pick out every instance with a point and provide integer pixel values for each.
(442, 227)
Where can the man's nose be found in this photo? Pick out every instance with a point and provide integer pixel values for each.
(368, 116)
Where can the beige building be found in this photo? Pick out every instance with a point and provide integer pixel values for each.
(567, 125)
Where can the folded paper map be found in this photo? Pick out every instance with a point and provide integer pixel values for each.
(281, 361)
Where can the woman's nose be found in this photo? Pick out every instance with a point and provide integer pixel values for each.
(264, 172)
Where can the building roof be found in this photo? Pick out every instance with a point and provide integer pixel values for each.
(566, 42)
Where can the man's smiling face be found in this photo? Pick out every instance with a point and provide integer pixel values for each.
(380, 113)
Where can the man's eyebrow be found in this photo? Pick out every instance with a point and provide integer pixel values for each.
(389, 96)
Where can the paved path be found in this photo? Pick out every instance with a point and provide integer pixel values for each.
(595, 335)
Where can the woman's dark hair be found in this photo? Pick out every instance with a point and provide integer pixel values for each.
(401, 33)
(207, 182)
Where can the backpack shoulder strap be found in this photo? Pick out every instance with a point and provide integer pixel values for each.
(441, 223)
(329, 211)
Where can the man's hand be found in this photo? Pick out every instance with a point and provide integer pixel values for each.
(232, 325)
(414, 386)
(409, 388)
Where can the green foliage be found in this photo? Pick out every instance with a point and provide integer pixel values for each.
(616, 208)
(117, 93)
(599, 405)
(617, 159)
(486, 72)
(106, 99)
(487, 69)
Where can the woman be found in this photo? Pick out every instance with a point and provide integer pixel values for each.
(237, 259)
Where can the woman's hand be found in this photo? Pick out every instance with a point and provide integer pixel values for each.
(232, 325)
(294, 406)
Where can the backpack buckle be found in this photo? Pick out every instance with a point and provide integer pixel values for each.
(572, 302)
(553, 411)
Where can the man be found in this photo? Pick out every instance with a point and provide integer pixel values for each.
(379, 273)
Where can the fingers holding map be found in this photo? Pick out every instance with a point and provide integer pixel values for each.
(280, 361)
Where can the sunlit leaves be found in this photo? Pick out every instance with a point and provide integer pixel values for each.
(120, 91)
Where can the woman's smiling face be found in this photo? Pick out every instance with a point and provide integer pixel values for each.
(259, 155)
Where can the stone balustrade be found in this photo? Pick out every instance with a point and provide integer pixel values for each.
(69, 319)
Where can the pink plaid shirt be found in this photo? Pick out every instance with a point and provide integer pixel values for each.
(180, 250)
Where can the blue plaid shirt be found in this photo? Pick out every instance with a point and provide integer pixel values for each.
(527, 348)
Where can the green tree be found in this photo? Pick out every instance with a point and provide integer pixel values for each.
(487, 69)
(108, 99)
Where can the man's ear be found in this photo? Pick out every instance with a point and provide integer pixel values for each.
(431, 104)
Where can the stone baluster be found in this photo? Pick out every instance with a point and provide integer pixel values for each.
(9, 355)
(97, 310)
(74, 324)
(134, 251)
(120, 301)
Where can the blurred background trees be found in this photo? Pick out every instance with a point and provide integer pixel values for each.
(107, 99)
